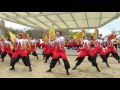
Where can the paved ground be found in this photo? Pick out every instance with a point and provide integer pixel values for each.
(39, 69)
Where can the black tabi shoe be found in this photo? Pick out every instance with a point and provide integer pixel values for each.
(98, 70)
(48, 70)
(108, 65)
(67, 72)
(30, 70)
(74, 68)
(45, 62)
(12, 69)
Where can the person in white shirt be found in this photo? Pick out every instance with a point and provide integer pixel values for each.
(111, 49)
(33, 47)
(7, 48)
(98, 49)
(20, 52)
(85, 50)
(59, 52)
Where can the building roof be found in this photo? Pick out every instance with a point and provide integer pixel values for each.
(62, 20)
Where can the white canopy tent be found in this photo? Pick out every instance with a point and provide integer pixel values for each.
(62, 20)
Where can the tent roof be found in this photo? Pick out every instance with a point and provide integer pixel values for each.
(62, 20)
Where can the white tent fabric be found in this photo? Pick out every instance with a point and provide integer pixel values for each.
(118, 36)
(62, 20)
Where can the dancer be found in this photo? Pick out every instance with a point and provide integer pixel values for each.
(85, 50)
(46, 46)
(7, 48)
(98, 49)
(1, 46)
(33, 47)
(27, 44)
(50, 51)
(59, 53)
(111, 48)
(20, 52)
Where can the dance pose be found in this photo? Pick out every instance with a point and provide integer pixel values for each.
(7, 48)
(50, 51)
(59, 53)
(85, 50)
(1, 46)
(27, 44)
(111, 48)
(20, 52)
(33, 47)
(98, 49)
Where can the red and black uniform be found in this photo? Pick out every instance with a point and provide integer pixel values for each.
(74, 44)
(1, 45)
(98, 49)
(59, 52)
(70, 44)
(20, 52)
(28, 48)
(67, 44)
(42, 45)
(6, 49)
(92, 44)
(33, 48)
(111, 49)
(50, 51)
(78, 44)
(46, 47)
(85, 50)
(38, 44)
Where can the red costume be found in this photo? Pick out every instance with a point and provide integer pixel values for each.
(51, 48)
(46, 47)
(59, 50)
(33, 45)
(6, 49)
(111, 49)
(98, 48)
(33, 48)
(21, 51)
(59, 53)
(1, 47)
(85, 50)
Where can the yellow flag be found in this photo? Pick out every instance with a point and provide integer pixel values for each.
(77, 36)
(2, 38)
(52, 35)
(95, 34)
(45, 37)
(74, 37)
(12, 36)
(81, 34)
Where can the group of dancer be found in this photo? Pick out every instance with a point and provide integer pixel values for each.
(20, 48)
(90, 48)
(72, 44)
(24, 45)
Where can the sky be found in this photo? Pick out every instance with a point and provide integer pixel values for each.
(16, 26)
(105, 30)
